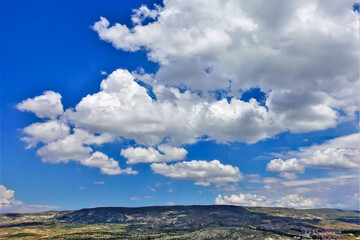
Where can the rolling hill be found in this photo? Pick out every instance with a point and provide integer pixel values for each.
(183, 222)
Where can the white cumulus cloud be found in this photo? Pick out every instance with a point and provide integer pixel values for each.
(124, 108)
(246, 199)
(47, 105)
(287, 169)
(107, 165)
(45, 132)
(164, 153)
(291, 165)
(305, 55)
(202, 172)
(340, 153)
(61, 146)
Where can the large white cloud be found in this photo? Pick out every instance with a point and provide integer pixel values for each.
(47, 105)
(124, 108)
(8, 203)
(340, 153)
(298, 46)
(300, 58)
(148, 155)
(202, 172)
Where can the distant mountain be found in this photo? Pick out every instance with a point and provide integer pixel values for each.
(183, 222)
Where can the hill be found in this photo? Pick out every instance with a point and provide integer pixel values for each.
(182, 222)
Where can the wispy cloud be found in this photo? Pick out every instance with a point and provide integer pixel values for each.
(101, 182)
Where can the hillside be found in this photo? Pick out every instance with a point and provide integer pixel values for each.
(182, 222)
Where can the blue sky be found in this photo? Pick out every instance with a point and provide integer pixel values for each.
(178, 103)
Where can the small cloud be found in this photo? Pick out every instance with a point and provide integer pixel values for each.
(171, 190)
(148, 197)
(241, 199)
(170, 203)
(287, 169)
(134, 198)
(104, 73)
(99, 182)
(199, 192)
(152, 189)
(47, 105)
(203, 173)
(158, 184)
(82, 188)
(163, 153)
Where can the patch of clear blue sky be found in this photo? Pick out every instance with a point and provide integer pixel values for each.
(48, 45)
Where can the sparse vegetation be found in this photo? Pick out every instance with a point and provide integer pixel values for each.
(181, 222)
